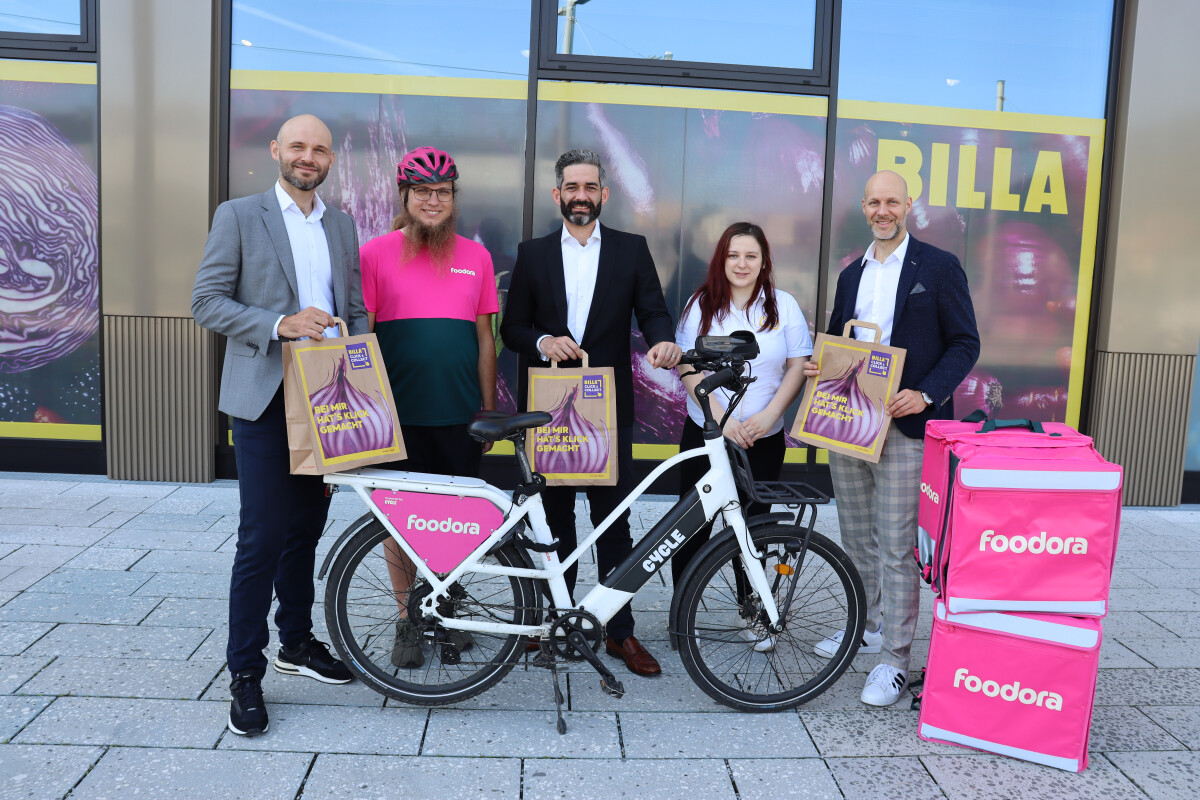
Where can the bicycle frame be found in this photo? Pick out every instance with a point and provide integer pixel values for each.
(715, 493)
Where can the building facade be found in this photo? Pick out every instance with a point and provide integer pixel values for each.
(1041, 142)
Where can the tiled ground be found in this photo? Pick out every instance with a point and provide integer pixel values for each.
(112, 684)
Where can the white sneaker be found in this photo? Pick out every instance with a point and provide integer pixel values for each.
(884, 685)
(763, 644)
(871, 643)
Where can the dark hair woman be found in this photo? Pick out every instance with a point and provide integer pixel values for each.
(739, 294)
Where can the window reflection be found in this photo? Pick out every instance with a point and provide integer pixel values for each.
(1052, 57)
(768, 33)
(58, 17)
(440, 38)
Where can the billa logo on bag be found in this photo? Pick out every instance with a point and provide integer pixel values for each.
(1009, 692)
(1037, 545)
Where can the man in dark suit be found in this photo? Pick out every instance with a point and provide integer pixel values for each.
(575, 291)
(277, 266)
(918, 296)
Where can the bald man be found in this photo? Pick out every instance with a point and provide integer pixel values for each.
(277, 266)
(917, 295)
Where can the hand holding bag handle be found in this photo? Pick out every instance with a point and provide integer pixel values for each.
(554, 364)
(858, 323)
(341, 326)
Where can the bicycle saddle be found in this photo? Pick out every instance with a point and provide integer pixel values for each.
(492, 426)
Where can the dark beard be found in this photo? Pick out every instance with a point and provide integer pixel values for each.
(287, 171)
(575, 218)
(440, 239)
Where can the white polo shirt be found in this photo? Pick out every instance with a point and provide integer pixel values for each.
(788, 339)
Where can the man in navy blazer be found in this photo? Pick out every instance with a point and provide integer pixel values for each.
(575, 291)
(918, 296)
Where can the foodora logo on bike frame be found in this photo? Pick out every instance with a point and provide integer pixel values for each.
(441, 529)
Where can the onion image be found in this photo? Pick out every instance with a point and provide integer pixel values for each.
(355, 422)
(582, 444)
(861, 429)
(49, 281)
(979, 391)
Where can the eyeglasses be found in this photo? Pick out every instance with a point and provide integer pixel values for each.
(422, 193)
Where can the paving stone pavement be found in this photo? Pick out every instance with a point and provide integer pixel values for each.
(112, 685)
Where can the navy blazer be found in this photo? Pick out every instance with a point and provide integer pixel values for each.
(627, 286)
(934, 322)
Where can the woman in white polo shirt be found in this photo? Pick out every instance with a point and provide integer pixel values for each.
(739, 294)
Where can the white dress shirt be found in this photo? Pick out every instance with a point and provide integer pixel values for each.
(310, 253)
(876, 301)
(581, 263)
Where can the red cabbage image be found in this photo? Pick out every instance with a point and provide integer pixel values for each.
(49, 277)
(584, 444)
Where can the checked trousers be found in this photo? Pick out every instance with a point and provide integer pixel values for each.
(877, 512)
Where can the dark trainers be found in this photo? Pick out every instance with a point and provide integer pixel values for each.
(247, 711)
(312, 660)
(406, 652)
(463, 640)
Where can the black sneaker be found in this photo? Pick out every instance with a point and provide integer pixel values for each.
(247, 711)
(313, 660)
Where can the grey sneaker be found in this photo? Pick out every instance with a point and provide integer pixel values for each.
(406, 652)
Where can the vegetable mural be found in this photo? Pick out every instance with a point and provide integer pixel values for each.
(49, 257)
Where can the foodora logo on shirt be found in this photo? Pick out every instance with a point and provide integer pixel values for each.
(1039, 544)
(447, 525)
(1009, 692)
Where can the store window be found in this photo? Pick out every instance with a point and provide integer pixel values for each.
(60, 17)
(1004, 176)
(61, 29)
(683, 164)
(455, 39)
(765, 33)
(50, 383)
(784, 44)
(1030, 56)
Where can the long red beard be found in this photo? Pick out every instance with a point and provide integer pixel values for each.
(439, 240)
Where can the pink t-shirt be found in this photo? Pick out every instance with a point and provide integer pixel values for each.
(417, 290)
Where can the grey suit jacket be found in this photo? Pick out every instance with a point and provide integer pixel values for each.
(247, 278)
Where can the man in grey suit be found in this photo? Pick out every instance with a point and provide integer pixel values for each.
(277, 266)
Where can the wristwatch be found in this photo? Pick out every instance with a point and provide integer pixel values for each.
(928, 400)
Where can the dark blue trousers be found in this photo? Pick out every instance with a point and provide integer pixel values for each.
(615, 544)
(282, 518)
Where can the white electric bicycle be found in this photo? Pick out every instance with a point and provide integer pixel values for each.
(745, 617)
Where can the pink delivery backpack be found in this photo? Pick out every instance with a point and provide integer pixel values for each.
(1021, 685)
(1017, 516)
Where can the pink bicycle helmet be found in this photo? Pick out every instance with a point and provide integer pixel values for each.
(426, 165)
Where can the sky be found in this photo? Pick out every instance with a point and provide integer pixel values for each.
(40, 16)
(1053, 56)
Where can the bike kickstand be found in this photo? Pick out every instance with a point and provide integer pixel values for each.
(608, 682)
(561, 723)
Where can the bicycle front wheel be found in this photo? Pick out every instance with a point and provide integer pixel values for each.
(724, 642)
(362, 609)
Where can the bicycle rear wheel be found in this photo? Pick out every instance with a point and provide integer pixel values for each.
(723, 640)
(362, 611)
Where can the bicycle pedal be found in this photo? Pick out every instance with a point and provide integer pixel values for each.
(615, 689)
(450, 655)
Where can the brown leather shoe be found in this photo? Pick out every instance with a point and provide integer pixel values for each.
(533, 645)
(634, 655)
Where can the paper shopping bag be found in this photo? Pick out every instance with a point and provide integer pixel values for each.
(579, 446)
(843, 410)
(339, 405)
